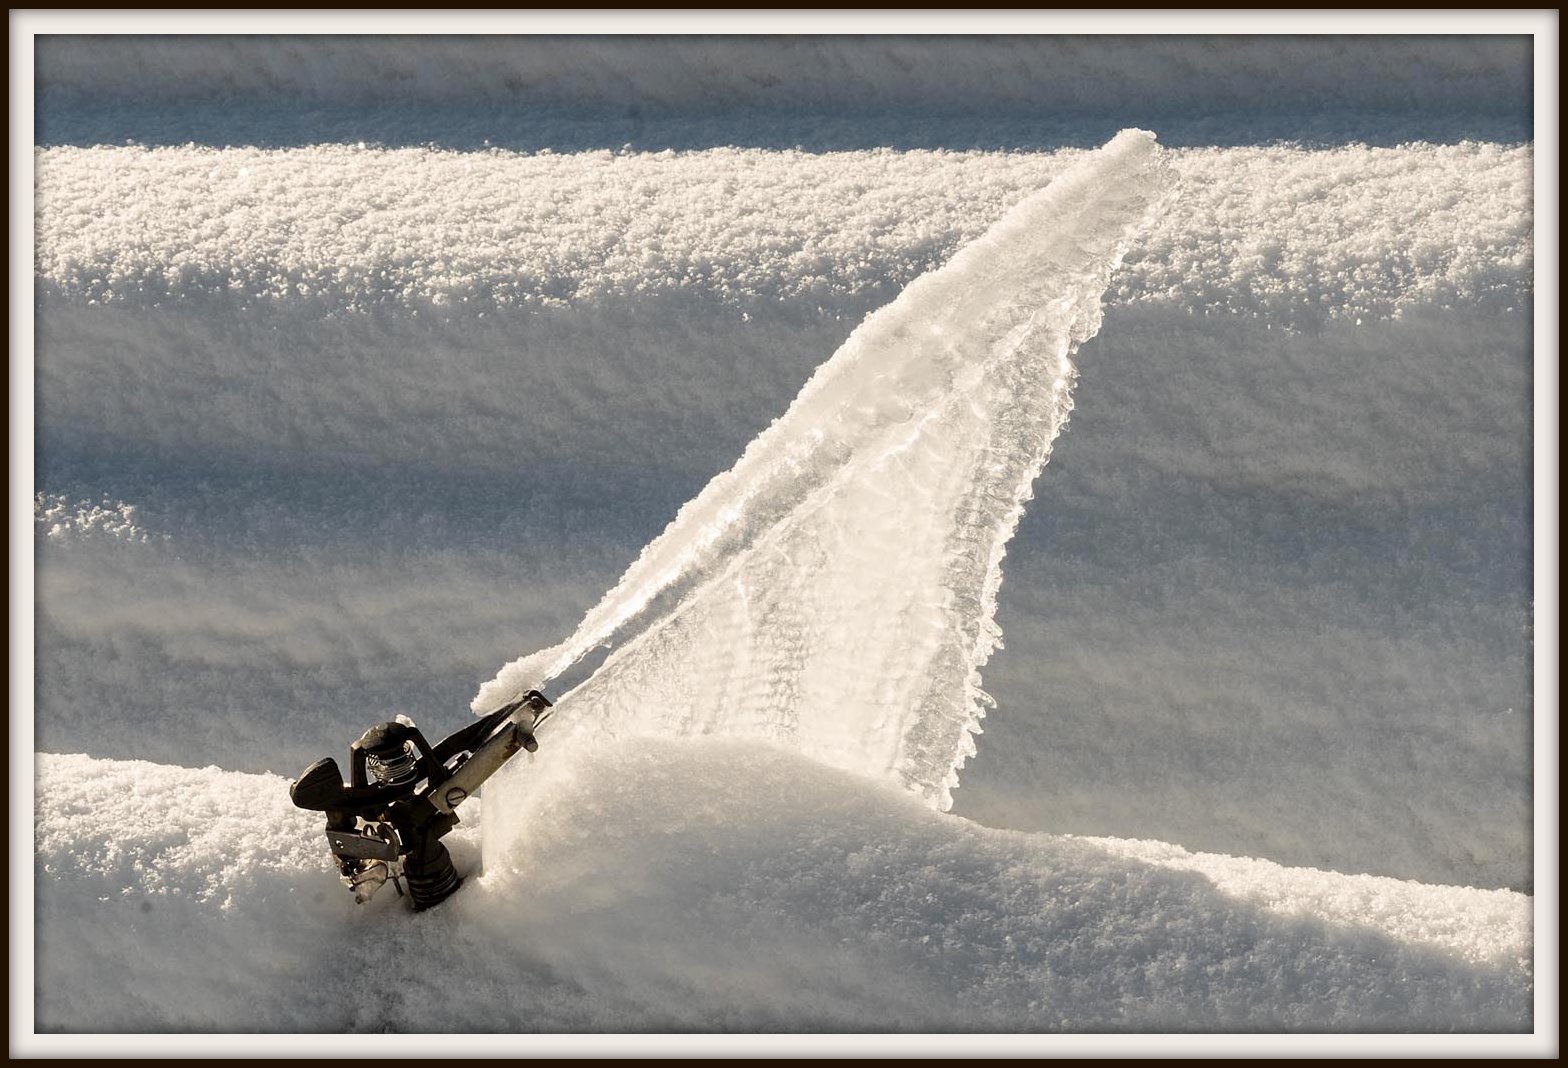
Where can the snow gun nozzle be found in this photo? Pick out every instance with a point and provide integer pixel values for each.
(386, 822)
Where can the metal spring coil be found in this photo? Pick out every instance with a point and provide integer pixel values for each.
(394, 770)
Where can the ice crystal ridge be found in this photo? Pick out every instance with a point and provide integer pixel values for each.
(836, 589)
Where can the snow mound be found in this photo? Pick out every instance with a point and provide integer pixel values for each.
(723, 885)
(837, 587)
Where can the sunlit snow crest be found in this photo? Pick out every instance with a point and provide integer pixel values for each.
(836, 589)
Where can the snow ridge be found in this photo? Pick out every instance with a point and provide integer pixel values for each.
(836, 589)
(337, 230)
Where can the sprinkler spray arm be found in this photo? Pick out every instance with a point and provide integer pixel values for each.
(387, 821)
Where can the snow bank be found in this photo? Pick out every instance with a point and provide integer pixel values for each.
(723, 886)
(1023, 74)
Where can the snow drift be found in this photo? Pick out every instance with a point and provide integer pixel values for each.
(723, 886)
(836, 588)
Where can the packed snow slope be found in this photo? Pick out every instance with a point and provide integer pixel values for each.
(373, 421)
(722, 885)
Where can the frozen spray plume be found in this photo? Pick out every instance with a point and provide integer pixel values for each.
(836, 589)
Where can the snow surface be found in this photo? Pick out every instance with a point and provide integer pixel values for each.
(1294, 235)
(1276, 603)
(1273, 599)
(823, 91)
(724, 885)
(831, 74)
